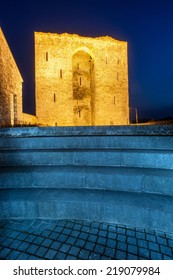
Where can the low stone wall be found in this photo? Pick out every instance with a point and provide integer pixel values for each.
(112, 174)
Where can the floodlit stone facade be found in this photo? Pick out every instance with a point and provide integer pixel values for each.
(81, 80)
(10, 86)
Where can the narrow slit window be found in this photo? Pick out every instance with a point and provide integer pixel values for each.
(54, 97)
(106, 60)
(61, 73)
(79, 113)
(80, 81)
(47, 56)
(114, 100)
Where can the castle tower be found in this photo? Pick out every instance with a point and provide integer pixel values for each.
(81, 80)
(10, 86)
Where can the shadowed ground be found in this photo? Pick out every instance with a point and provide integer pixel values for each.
(77, 240)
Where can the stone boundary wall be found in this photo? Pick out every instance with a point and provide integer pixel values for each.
(112, 174)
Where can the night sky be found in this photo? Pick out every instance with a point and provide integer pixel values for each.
(147, 26)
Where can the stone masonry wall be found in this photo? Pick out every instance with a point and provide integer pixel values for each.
(107, 79)
(10, 86)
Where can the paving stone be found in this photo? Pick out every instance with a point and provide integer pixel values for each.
(62, 238)
(121, 230)
(144, 252)
(170, 243)
(4, 253)
(46, 233)
(99, 249)
(71, 257)
(55, 245)
(109, 252)
(94, 231)
(23, 246)
(30, 238)
(31, 257)
(105, 258)
(22, 236)
(92, 238)
(60, 256)
(94, 256)
(80, 243)
(69, 225)
(66, 231)
(95, 225)
(13, 255)
(32, 249)
(74, 251)
(62, 223)
(77, 227)
(156, 256)
(75, 233)
(140, 235)
(64, 248)
(47, 242)
(111, 243)
(103, 227)
(23, 256)
(71, 240)
(150, 237)
(101, 240)
(112, 228)
(121, 237)
(102, 233)
(89, 246)
(132, 240)
(84, 254)
(162, 241)
(50, 254)
(166, 250)
(112, 235)
(122, 246)
(14, 234)
(169, 235)
(58, 229)
(38, 240)
(41, 251)
(15, 244)
(131, 233)
(85, 229)
(132, 257)
(83, 235)
(142, 243)
(167, 258)
(7, 241)
(153, 246)
(54, 235)
(121, 255)
(132, 249)
(160, 233)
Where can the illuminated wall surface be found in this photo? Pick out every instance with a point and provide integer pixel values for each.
(80, 80)
(10, 86)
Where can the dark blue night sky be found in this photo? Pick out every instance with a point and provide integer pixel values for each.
(146, 25)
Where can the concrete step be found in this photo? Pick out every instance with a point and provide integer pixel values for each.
(78, 157)
(137, 209)
(158, 181)
(88, 142)
(113, 174)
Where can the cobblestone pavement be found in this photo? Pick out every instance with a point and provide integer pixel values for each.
(71, 240)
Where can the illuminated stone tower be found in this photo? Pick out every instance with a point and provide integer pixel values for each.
(10, 86)
(81, 80)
